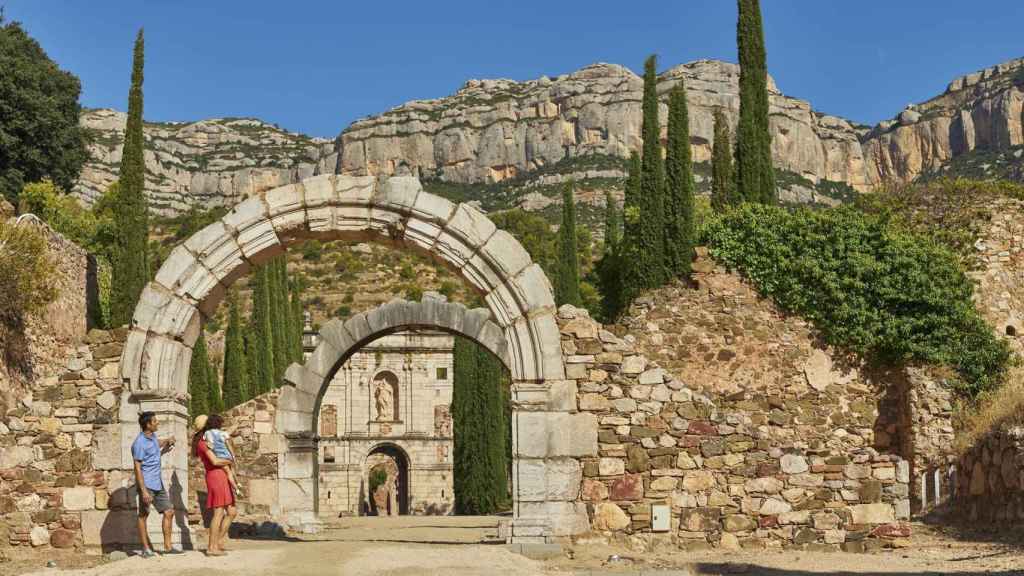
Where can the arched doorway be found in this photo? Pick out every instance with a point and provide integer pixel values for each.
(386, 477)
(397, 212)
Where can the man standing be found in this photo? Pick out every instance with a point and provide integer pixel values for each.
(146, 451)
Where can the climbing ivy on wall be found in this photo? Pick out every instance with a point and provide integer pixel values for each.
(869, 286)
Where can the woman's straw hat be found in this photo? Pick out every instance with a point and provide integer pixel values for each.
(200, 422)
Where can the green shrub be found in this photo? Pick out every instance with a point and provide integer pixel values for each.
(312, 250)
(26, 287)
(869, 286)
(343, 312)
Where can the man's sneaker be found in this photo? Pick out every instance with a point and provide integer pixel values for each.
(147, 553)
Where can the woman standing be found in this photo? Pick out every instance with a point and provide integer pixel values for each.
(219, 497)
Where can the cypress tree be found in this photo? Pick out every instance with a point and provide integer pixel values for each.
(252, 363)
(199, 378)
(607, 268)
(479, 468)
(299, 321)
(263, 344)
(722, 192)
(131, 260)
(652, 185)
(754, 174)
(235, 370)
(568, 287)
(630, 261)
(216, 402)
(679, 233)
(279, 313)
(612, 224)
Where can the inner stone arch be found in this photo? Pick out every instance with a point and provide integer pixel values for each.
(545, 443)
(395, 211)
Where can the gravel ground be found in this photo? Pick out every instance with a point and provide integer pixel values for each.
(931, 552)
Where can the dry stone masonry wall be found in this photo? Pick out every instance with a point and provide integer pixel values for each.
(989, 479)
(736, 470)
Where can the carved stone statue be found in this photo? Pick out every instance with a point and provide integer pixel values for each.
(384, 397)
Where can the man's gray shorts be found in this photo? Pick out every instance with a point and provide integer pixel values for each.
(161, 501)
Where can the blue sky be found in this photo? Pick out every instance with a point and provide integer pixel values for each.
(313, 67)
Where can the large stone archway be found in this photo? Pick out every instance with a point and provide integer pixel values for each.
(396, 211)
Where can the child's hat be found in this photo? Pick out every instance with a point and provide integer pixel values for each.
(200, 422)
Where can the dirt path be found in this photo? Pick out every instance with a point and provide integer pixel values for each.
(931, 553)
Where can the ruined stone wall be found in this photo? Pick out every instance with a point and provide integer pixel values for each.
(60, 453)
(990, 479)
(62, 325)
(791, 462)
(257, 447)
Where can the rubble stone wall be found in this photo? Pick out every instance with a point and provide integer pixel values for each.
(989, 479)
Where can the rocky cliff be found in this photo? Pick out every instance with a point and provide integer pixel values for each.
(496, 130)
(973, 129)
(207, 163)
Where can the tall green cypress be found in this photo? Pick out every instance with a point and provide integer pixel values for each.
(216, 402)
(612, 224)
(722, 192)
(130, 271)
(252, 362)
(199, 378)
(567, 290)
(630, 259)
(264, 333)
(652, 185)
(299, 321)
(608, 268)
(235, 370)
(279, 313)
(479, 445)
(679, 232)
(754, 174)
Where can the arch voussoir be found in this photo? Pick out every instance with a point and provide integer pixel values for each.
(250, 223)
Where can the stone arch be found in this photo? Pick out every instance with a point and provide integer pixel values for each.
(520, 328)
(402, 461)
(196, 275)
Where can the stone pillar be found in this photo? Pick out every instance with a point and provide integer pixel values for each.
(172, 413)
(297, 487)
(547, 442)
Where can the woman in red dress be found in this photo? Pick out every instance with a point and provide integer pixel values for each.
(219, 497)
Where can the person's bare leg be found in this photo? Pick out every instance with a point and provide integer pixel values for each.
(143, 533)
(213, 542)
(168, 520)
(229, 517)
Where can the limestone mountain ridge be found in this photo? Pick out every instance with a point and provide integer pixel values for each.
(502, 143)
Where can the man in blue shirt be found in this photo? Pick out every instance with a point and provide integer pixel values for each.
(146, 452)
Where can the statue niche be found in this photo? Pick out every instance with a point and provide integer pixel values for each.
(385, 396)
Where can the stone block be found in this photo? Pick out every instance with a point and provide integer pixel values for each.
(560, 518)
(286, 209)
(595, 402)
(545, 330)
(165, 365)
(184, 275)
(471, 226)
(552, 479)
(109, 527)
(263, 492)
(295, 494)
(628, 487)
(296, 465)
(216, 248)
(562, 396)
(554, 434)
(876, 513)
(272, 444)
(505, 254)
(610, 517)
(793, 464)
(161, 311)
(79, 498)
(107, 453)
(334, 332)
(611, 466)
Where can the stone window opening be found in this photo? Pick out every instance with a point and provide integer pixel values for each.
(329, 457)
(1011, 330)
(442, 372)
